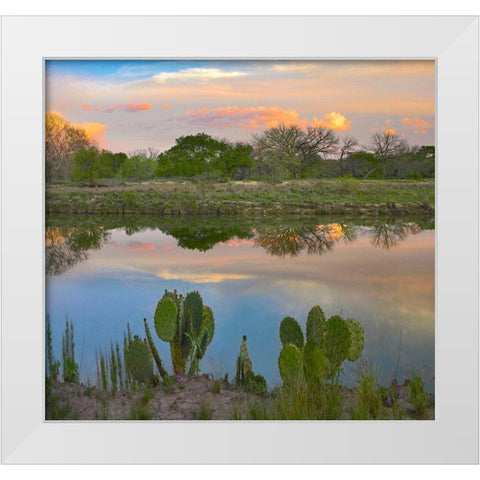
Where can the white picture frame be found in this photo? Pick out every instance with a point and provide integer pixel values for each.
(451, 438)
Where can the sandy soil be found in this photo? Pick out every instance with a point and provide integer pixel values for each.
(191, 399)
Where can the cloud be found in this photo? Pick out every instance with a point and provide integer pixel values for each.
(95, 131)
(333, 121)
(418, 125)
(137, 107)
(166, 105)
(133, 246)
(197, 74)
(255, 118)
(390, 131)
(201, 277)
(86, 106)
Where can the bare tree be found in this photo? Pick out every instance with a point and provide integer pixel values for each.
(386, 146)
(292, 149)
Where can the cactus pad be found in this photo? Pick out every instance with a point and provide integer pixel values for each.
(291, 332)
(165, 319)
(357, 339)
(316, 325)
(315, 363)
(290, 364)
(337, 340)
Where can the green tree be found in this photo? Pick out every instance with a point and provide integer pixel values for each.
(191, 155)
(86, 166)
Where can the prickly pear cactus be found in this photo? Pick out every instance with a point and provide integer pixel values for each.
(290, 364)
(357, 339)
(315, 362)
(193, 306)
(291, 332)
(337, 340)
(166, 319)
(316, 325)
(139, 360)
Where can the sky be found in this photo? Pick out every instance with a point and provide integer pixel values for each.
(127, 105)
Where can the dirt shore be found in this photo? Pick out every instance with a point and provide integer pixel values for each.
(194, 398)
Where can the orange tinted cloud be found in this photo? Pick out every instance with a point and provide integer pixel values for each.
(166, 105)
(390, 131)
(255, 118)
(86, 106)
(333, 121)
(137, 246)
(136, 107)
(95, 131)
(418, 125)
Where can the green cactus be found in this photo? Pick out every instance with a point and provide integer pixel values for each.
(244, 364)
(255, 383)
(187, 325)
(328, 344)
(139, 360)
(357, 339)
(316, 326)
(290, 364)
(291, 332)
(166, 319)
(153, 349)
(337, 340)
(315, 363)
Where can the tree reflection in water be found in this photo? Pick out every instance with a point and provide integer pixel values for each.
(68, 240)
(64, 248)
(290, 240)
(386, 235)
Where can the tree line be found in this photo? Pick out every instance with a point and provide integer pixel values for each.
(282, 152)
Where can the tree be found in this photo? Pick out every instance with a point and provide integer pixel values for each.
(293, 150)
(191, 155)
(386, 146)
(86, 166)
(62, 140)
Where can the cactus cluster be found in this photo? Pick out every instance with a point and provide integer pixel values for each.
(245, 375)
(327, 344)
(139, 360)
(187, 325)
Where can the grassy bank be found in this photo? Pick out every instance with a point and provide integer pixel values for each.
(339, 196)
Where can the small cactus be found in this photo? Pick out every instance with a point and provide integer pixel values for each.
(291, 332)
(139, 360)
(187, 325)
(244, 364)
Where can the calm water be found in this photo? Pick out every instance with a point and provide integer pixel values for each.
(105, 272)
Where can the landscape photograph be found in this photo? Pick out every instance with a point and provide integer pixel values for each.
(233, 240)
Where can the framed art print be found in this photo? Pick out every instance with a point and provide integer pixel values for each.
(211, 221)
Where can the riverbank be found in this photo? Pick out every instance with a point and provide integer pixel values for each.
(200, 397)
(306, 197)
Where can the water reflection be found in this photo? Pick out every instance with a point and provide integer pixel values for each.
(68, 240)
(65, 247)
(105, 272)
(386, 235)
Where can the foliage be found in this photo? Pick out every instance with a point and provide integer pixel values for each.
(187, 325)
(70, 367)
(52, 365)
(62, 140)
(418, 397)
